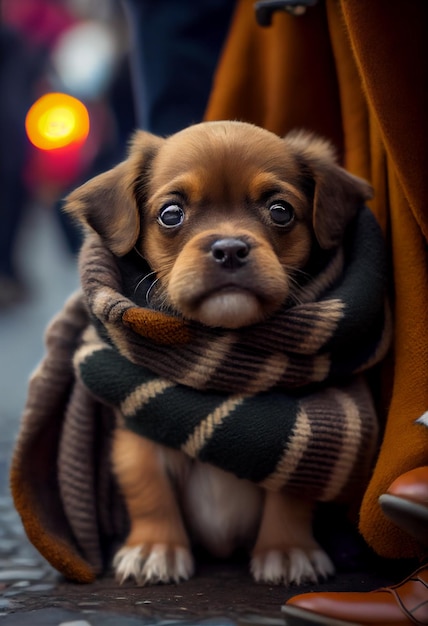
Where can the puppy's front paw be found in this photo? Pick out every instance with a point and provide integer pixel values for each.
(294, 566)
(157, 563)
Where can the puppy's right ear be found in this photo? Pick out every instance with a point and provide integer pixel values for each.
(108, 203)
(337, 194)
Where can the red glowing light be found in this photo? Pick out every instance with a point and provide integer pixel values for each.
(56, 120)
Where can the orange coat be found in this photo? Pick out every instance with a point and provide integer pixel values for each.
(357, 72)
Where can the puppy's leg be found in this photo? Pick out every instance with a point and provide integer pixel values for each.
(157, 547)
(286, 550)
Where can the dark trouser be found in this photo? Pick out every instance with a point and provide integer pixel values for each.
(175, 46)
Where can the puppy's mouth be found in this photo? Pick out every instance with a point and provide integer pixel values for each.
(229, 306)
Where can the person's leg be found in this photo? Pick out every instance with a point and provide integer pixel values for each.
(174, 51)
(12, 207)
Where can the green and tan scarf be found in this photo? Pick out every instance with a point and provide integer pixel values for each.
(281, 403)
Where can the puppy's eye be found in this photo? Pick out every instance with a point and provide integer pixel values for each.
(282, 213)
(171, 216)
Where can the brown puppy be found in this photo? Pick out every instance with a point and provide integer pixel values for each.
(226, 214)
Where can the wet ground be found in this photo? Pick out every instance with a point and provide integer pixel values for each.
(31, 593)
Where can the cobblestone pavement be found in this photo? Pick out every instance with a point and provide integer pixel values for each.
(31, 593)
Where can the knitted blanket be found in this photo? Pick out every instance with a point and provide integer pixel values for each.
(281, 403)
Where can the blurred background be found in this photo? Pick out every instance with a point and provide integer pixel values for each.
(80, 48)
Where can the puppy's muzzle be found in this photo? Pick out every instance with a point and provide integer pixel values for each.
(227, 279)
(231, 253)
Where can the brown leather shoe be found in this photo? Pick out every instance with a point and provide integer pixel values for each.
(406, 503)
(404, 604)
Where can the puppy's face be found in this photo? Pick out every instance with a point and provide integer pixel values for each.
(223, 227)
(225, 213)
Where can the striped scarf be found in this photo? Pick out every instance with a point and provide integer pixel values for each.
(279, 403)
(282, 403)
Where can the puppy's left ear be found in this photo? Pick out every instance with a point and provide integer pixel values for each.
(337, 194)
(108, 203)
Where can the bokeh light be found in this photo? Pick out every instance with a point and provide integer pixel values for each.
(56, 120)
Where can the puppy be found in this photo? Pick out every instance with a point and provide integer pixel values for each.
(226, 214)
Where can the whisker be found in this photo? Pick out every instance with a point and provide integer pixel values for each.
(149, 290)
(161, 301)
(139, 253)
(142, 280)
(302, 273)
(294, 293)
(294, 274)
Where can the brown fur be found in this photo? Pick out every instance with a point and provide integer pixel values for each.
(227, 264)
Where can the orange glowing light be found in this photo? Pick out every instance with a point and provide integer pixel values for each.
(56, 120)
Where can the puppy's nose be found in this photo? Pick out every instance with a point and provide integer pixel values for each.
(231, 253)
